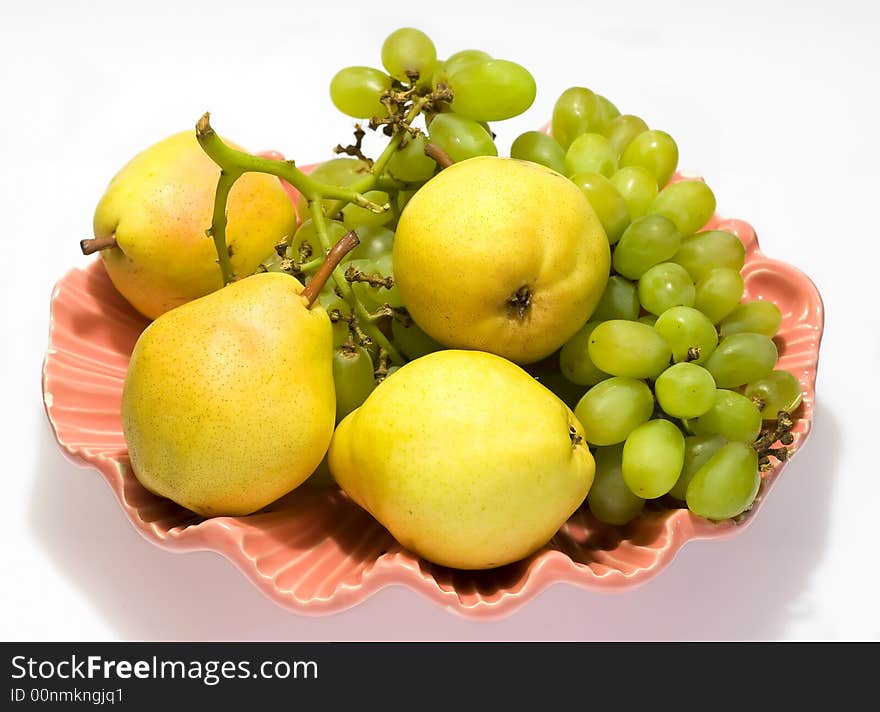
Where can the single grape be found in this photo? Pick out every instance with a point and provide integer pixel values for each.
(375, 241)
(685, 390)
(637, 187)
(461, 138)
(756, 317)
(574, 358)
(620, 300)
(648, 241)
(373, 296)
(654, 150)
(576, 111)
(719, 292)
(492, 90)
(464, 58)
(622, 129)
(709, 250)
(613, 408)
(410, 164)
(337, 171)
(649, 319)
(607, 113)
(384, 265)
(689, 204)
(742, 358)
(354, 216)
(538, 147)
(697, 451)
(412, 341)
(353, 378)
(306, 242)
(355, 91)
(726, 485)
(628, 348)
(408, 51)
(653, 457)
(608, 204)
(732, 416)
(778, 390)
(609, 499)
(689, 333)
(664, 286)
(590, 153)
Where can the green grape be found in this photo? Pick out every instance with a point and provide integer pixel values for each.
(719, 292)
(538, 147)
(354, 216)
(410, 164)
(590, 153)
(403, 197)
(689, 204)
(709, 250)
(621, 130)
(689, 333)
(576, 111)
(732, 416)
(638, 188)
(355, 91)
(609, 499)
(620, 300)
(697, 451)
(757, 317)
(613, 408)
(374, 296)
(464, 58)
(778, 390)
(654, 150)
(648, 241)
(653, 457)
(375, 241)
(352, 377)
(412, 341)
(460, 138)
(406, 51)
(607, 113)
(384, 265)
(649, 319)
(339, 310)
(742, 358)
(336, 171)
(628, 348)
(685, 390)
(608, 204)
(306, 237)
(726, 485)
(493, 90)
(574, 358)
(664, 286)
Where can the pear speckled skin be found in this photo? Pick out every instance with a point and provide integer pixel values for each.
(482, 230)
(465, 458)
(158, 207)
(228, 402)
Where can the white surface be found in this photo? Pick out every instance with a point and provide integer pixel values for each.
(776, 107)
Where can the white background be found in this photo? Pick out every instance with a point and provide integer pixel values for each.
(775, 106)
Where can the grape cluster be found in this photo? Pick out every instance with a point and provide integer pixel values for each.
(683, 398)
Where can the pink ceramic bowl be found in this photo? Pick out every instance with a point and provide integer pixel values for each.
(314, 551)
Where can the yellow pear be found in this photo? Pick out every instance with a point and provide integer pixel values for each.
(466, 459)
(157, 209)
(228, 401)
(500, 255)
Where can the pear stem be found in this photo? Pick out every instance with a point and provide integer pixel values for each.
(345, 245)
(96, 244)
(432, 150)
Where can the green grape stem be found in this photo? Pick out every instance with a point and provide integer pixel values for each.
(233, 164)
